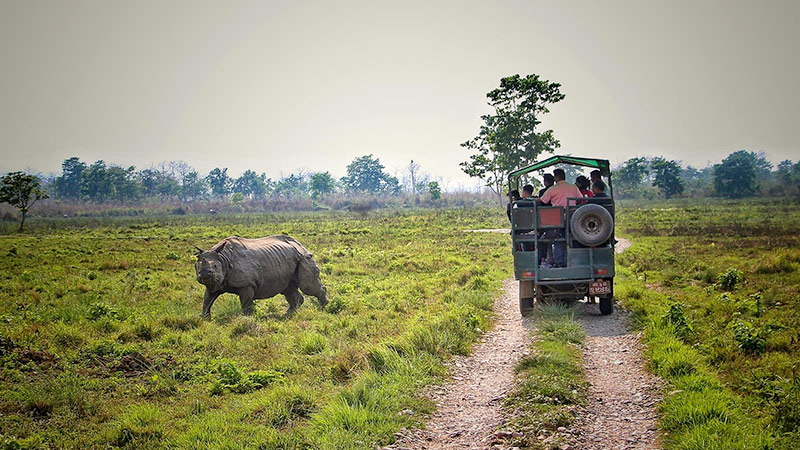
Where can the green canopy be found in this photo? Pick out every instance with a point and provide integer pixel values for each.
(601, 164)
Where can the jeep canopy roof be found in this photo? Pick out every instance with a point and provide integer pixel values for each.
(600, 164)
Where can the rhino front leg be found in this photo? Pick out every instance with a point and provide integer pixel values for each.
(208, 300)
(294, 297)
(246, 300)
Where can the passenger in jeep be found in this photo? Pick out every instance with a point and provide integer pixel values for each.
(559, 195)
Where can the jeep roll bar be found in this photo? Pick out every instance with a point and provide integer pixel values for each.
(600, 164)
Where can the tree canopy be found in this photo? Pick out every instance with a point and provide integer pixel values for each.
(631, 175)
(735, 176)
(21, 191)
(365, 175)
(509, 138)
(322, 183)
(667, 176)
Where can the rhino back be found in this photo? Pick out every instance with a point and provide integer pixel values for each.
(268, 264)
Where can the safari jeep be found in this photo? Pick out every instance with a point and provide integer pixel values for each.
(586, 229)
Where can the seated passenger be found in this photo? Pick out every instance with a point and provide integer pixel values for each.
(559, 195)
(513, 196)
(548, 181)
(527, 192)
(583, 184)
(599, 189)
(594, 176)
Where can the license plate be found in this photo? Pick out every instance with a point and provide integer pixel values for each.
(600, 287)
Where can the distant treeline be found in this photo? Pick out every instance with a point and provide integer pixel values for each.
(177, 181)
(740, 174)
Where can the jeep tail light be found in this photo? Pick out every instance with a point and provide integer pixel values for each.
(528, 274)
(600, 271)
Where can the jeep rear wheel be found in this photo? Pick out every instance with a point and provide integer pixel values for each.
(591, 225)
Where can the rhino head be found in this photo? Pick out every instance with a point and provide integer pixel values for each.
(210, 268)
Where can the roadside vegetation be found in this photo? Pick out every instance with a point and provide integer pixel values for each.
(715, 285)
(101, 344)
(550, 381)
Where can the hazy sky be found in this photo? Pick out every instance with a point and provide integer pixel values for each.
(281, 85)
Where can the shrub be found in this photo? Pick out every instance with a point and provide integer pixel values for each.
(730, 279)
(748, 340)
(100, 310)
(232, 379)
(677, 318)
(336, 305)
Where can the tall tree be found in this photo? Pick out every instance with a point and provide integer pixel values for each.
(21, 191)
(94, 185)
(735, 176)
(509, 138)
(156, 183)
(252, 185)
(220, 182)
(102, 183)
(193, 186)
(295, 185)
(415, 180)
(667, 176)
(365, 174)
(68, 185)
(322, 183)
(122, 183)
(630, 176)
(788, 176)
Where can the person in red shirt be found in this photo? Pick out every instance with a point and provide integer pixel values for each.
(583, 184)
(559, 195)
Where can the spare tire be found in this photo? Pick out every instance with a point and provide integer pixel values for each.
(591, 225)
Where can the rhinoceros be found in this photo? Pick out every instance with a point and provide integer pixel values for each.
(256, 269)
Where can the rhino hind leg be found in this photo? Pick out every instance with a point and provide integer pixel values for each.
(309, 282)
(294, 297)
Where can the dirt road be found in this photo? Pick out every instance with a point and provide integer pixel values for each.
(620, 413)
(468, 408)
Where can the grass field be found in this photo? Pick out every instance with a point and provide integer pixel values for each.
(716, 286)
(101, 344)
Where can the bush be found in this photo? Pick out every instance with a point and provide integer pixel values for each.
(336, 305)
(749, 340)
(100, 310)
(233, 380)
(730, 279)
(677, 318)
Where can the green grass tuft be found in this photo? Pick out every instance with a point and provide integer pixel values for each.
(550, 381)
